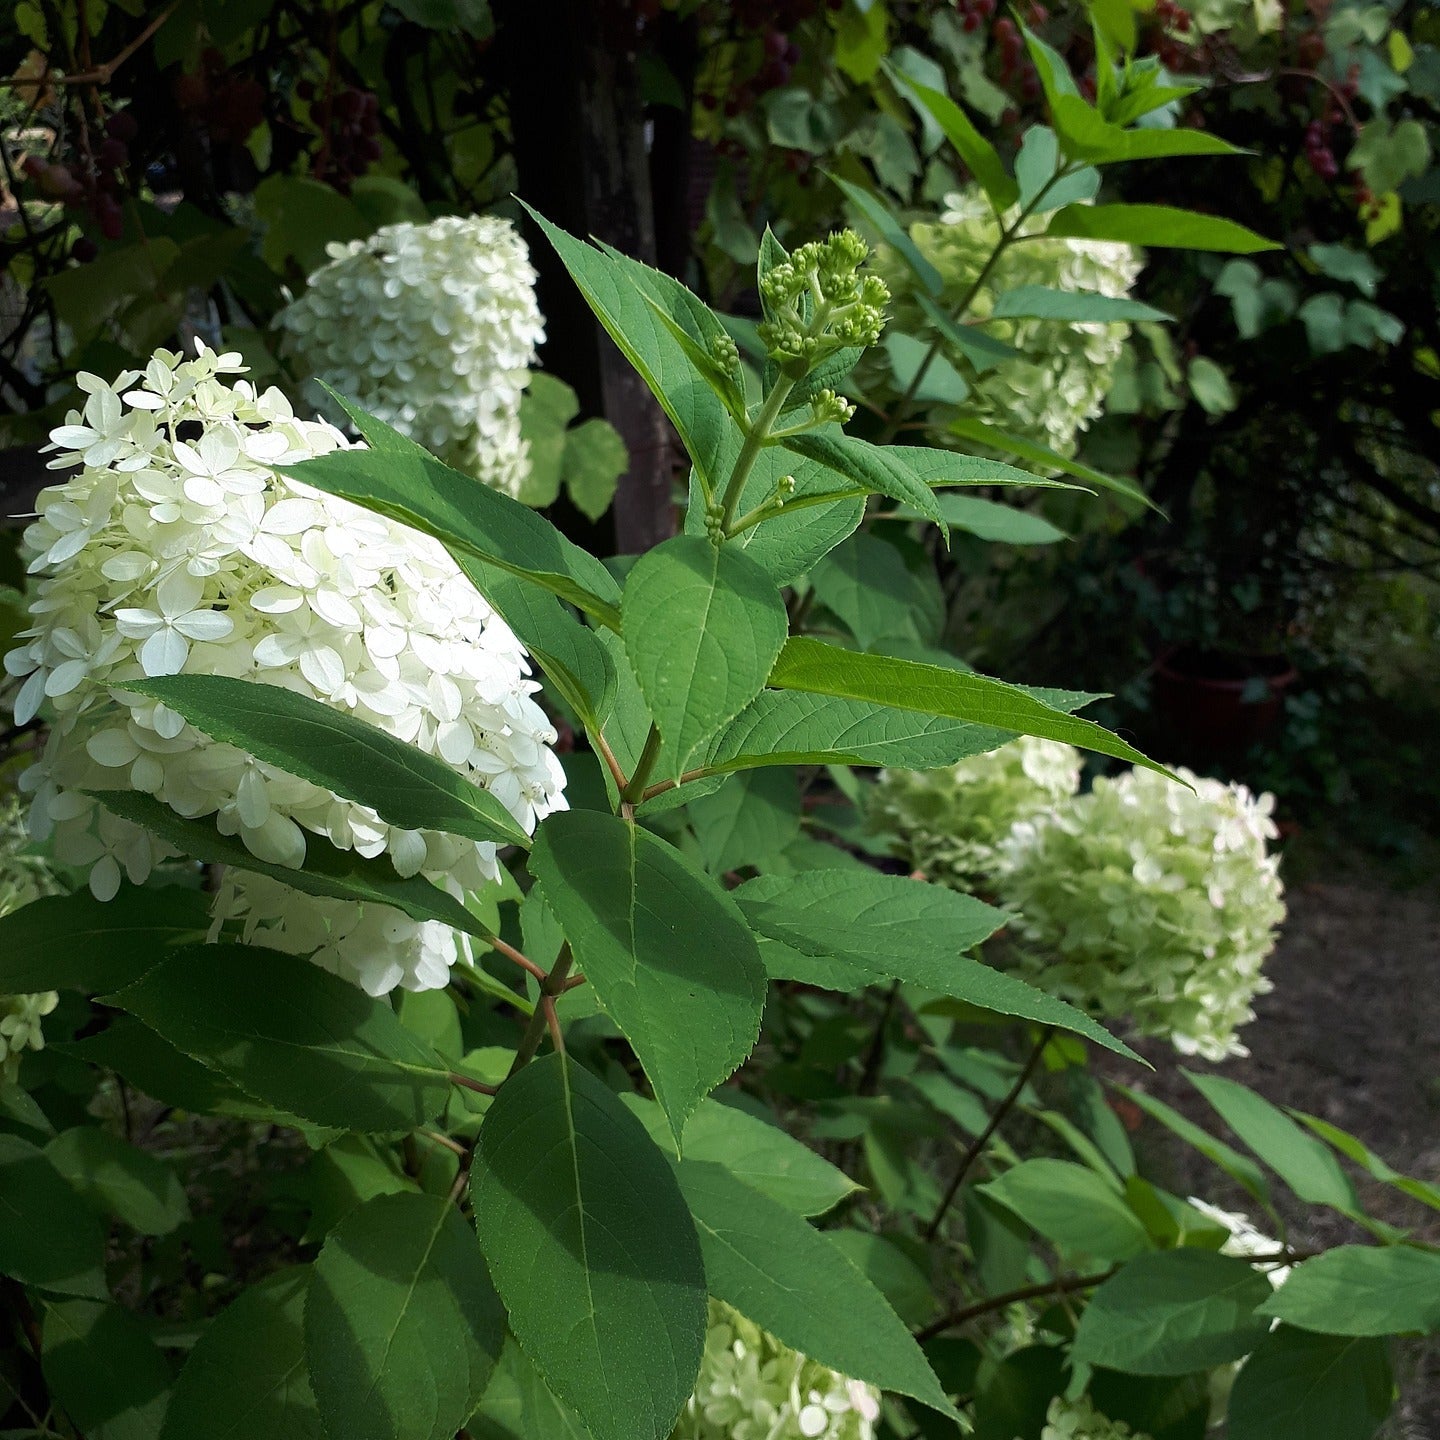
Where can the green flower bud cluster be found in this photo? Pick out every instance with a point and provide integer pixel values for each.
(826, 408)
(726, 354)
(818, 302)
(1080, 1420)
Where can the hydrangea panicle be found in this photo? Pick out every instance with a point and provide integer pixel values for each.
(947, 822)
(432, 328)
(1080, 1420)
(1148, 900)
(197, 557)
(24, 876)
(751, 1387)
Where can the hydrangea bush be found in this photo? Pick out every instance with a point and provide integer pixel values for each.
(24, 876)
(947, 822)
(1152, 901)
(432, 328)
(161, 556)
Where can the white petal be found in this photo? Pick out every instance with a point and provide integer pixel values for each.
(164, 653)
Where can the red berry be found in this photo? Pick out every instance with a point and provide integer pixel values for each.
(122, 126)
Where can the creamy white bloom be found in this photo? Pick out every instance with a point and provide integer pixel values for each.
(947, 822)
(1245, 1240)
(24, 876)
(1056, 385)
(1149, 900)
(433, 328)
(199, 558)
(751, 1387)
(1080, 1420)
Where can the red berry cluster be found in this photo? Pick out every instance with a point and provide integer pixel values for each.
(974, 13)
(349, 123)
(1016, 67)
(95, 184)
(228, 105)
(1319, 153)
(766, 52)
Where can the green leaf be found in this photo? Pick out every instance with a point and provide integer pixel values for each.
(702, 626)
(245, 1378)
(402, 1324)
(748, 821)
(1072, 1207)
(1085, 135)
(843, 929)
(628, 299)
(1362, 1290)
(398, 478)
(1240, 1168)
(1370, 1162)
(119, 1179)
(977, 153)
(1301, 1161)
(1080, 307)
(1299, 1386)
(1016, 1392)
(876, 469)
(775, 1270)
(592, 1248)
(1042, 455)
(292, 1035)
(764, 1156)
(667, 951)
(337, 751)
(49, 1238)
(866, 583)
(76, 942)
(877, 213)
(939, 384)
(329, 871)
(791, 727)
(817, 668)
(1003, 524)
(1156, 226)
(595, 459)
(520, 1406)
(104, 1370)
(1174, 1312)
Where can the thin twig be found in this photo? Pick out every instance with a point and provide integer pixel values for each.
(103, 74)
(466, 1083)
(436, 1138)
(611, 763)
(1061, 1285)
(983, 1138)
(521, 959)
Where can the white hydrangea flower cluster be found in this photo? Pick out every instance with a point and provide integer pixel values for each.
(24, 876)
(751, 1387)
(433, 328)
(1146, 899)
(1080, 1420)
(1057, 385)
(175, 548)
(947, 822)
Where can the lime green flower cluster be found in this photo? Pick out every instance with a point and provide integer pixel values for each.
(751, 1387)
(1148, 900)
(24, 876)
(946, 823)
(1080, 1420)
(818, 302)
(1056, 385)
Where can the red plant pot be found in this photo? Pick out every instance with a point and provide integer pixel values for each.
(1210, 702)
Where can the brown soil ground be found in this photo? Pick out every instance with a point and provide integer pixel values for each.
(1351, 1033)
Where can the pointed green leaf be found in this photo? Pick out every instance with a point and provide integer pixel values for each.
(1071, 1206)
(844, 929)
(337, 751)
(245, 1378)
(292, 1035)
(104, 1370)
(1003, 524)
(821, 669)
(1172, 1313)
(667, 951)
(1361, 1290)
(1156, 226)
(978, 153)
(119, 1179)
(592, 1248)
(1085, 135)
(878, 215)
(402, 1324)
(519, 1405)
(1080, 307)
(702, 625)
(790, 1280)
(1369, 1161)
(76, 942)
(876, 469)
(397, 478)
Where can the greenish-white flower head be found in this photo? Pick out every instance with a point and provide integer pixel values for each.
(1146, 900)
(1245, 1239)
(818, 301)
(1052, 390)
(433, 328)
(751, 1387)
(1080, 1420)
(25, 875)
(946, 823)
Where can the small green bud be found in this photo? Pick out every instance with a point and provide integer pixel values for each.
(829, 408)
(726, 354)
